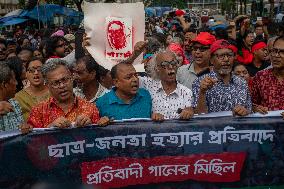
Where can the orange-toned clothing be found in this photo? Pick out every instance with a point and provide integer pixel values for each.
(48, 111)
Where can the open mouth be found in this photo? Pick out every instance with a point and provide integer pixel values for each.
(225, 67)
(36, 78)
(172, 74)
(199, 59)
(135, 87)
(63, 93)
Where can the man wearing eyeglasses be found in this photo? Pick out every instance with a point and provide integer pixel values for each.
(268, 85)
(63, 109)
(220, 90)
(186, 74)
(170, 99)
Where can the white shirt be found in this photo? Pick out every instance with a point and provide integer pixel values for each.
(101, 91)
(164, 104)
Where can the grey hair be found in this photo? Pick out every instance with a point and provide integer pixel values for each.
(177, 40)
(51, 65)
(5, 73)
(152, 64)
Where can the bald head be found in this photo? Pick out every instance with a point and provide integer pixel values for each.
(120, 67)
(165, 56)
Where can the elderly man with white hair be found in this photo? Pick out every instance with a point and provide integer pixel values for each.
(170, 99)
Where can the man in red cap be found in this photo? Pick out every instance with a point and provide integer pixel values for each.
(201, 58)
(220, 90)
(260, 58)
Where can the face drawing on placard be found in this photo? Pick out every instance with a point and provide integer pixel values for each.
(118, 38)
(116, 35)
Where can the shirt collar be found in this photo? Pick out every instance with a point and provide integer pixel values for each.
(113, 98)
(234, 78)
(191, 68)
(98, 94)
(160, 88)
(52, 101)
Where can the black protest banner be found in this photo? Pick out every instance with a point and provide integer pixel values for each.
(213, 152)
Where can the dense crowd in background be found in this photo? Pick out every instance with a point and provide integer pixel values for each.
(191, 67)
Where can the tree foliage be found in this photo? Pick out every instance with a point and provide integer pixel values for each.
(172, 3)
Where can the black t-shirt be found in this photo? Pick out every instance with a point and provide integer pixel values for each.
(252, 70)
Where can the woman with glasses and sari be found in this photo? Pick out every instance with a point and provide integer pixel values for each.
(36, 92)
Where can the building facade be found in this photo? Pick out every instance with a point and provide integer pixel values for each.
(204, 4)
(7, 6)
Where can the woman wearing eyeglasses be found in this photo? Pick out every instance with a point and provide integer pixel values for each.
(36, 92)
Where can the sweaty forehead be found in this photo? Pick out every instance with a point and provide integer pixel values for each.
(166, 56)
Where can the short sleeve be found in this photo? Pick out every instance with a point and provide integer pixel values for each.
(249, 102)
(99, 105)
(255, 93)
(36, 118)
(195, 92)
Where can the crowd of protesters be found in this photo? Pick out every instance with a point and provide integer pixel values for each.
(189, 70)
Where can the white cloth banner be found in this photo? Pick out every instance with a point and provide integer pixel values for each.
(114, 29)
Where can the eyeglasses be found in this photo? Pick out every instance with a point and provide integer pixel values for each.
(222, 56)
(33, 70)
(166, 64)
(277, 52)
(63, 81)
(201, 48)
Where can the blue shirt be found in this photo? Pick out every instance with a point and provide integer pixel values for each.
(112, 106)
(222, 97)
(12, 120)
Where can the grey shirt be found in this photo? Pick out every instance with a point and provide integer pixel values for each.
(186, 75)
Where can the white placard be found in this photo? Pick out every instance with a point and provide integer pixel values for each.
(114, 29)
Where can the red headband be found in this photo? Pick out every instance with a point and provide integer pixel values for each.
(258, 46)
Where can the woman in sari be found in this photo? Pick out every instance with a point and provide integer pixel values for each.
(36, 92)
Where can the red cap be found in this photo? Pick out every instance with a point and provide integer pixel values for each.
(179, 12)
(234, 48)
(205, 38)
(257, 46)
(221, 44)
